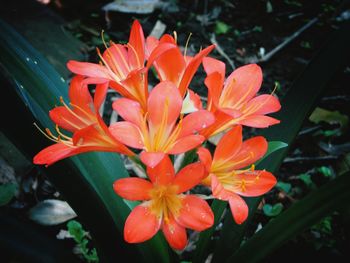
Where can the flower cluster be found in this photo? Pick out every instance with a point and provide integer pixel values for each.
(168, 119)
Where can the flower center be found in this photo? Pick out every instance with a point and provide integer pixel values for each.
(165, 202)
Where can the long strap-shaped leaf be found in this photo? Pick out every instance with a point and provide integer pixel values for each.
(298, 217)
(86, 180)
(296, 106)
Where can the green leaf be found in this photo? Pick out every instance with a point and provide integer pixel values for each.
(76, 230)
(272, 210)
(330, 117)
(34, 87)
(326, 171)
(285, 187)
(301, 215)
(221, 27)
(273, 146)
(306, 178)
(296, 105)
(7, 192)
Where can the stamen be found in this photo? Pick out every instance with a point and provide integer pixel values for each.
(61, 134)
(136, 55)
(225, 92)
(145, 132)
(51, 135)
(243, 185)
(44, 133)
(255, 107)
(123, 59)
(73, 113)
(113, 73)
(174, 135)
(159, 135)
(187, 41)
(103, 39)
(226, 163)
(175, 36)
(239, 102)
(252, 168)
(83, 111)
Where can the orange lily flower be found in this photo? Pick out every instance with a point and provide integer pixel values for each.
(123, 66)
(227, 179)
(90, 133)
(234, 100)
(157, 131)
(173, 66)
(164, 206)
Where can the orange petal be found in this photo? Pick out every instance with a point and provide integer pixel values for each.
(164, 99)
(259, 121)
(191, 69)
(141, 225)
(170, 71)
(151, 159)
(195, 213)
(255, 183)
(92, 138)
(186, 143)
(229, 145)
(166, 38)
(137, 85)
(116, 57)
(88, 69)
(65, 119)
(79, 94)
(127, 133)
(189, 176)
(133, 189)
(158, 51)
(231, 112)
(214, 83)
(100, 95)
(124, 91)
(137, 41)
(89, 135)
(212, 65)
(267, 104)
(151, 44)
(241, 85)
(218, 189)
(239, 208)
(205, 157)
(195, 122)
(196, 99)
(251, 151)
(54, 153)
(129, 110)
(163, 172)
(221, 118)
(175, 234)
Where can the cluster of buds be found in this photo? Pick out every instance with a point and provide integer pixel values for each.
(168, 119)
